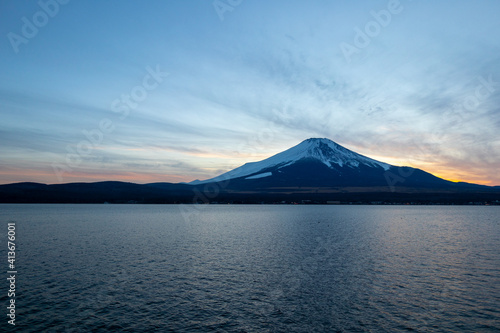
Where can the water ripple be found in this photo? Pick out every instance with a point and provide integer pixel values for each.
(108, 268)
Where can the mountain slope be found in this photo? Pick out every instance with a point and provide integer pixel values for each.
(322, 163)
(325, 151)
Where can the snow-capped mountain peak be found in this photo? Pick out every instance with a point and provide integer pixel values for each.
(324, 150)
(329, 153)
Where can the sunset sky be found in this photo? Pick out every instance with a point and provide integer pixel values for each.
(171, 91)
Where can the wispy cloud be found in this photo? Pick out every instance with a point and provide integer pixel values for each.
(250, 86)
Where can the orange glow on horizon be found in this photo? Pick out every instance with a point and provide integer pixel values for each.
(452, 178)
(453, 174)
(47, 176)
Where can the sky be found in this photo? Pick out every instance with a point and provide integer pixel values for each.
(172, 91)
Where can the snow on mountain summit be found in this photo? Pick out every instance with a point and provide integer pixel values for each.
(324, 150)
(329, 153)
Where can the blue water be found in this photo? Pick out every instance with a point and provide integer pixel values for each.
(237, 268)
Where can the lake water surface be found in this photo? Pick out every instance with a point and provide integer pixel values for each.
(255, 268)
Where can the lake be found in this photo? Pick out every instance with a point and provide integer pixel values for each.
(254, 268)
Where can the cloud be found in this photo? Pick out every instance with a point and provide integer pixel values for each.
(253, 85)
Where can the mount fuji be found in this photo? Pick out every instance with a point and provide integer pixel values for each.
(324, 151)
(320, 162)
